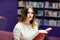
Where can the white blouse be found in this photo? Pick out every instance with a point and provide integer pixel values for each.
(24, 32)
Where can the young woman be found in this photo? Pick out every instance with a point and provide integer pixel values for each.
(27, 28)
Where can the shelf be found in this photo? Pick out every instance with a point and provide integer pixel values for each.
(52, 8)
(33, 7)
(52, 26)
(44, 27)
(32, 0)
(39, 17)
(55, 29)
(55, 18)
(19, 15)
(20, 7)
(53, 0)
(41, 0)
(42, 8)
(38, 8)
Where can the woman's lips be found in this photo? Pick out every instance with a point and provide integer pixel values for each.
(29, 16)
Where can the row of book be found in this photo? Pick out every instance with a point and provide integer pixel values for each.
(48, 13)
(52, 4)
(39, 21)
(52, 13)
(30, 3)
(39, 4)
(52, 22)
(19, 11)
(48, 22)
(39, 12)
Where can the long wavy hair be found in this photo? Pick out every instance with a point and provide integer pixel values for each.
(24, 13)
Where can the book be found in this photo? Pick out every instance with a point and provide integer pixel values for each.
(58, 23)
(40, 4)
(40, 13)
(58, 13)
(19, 11)
(38, 21)
(20, 4)
(27, 3)
(55, 5)
(58, 5)
(34, 4)
(42, 33)
(52, 22)
(46, 22)
(46, 4)
(46, 12)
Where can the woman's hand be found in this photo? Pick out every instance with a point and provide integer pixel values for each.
(48, 29)
(41, 34)
(43, 31)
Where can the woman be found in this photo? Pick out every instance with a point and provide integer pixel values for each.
(27, 28)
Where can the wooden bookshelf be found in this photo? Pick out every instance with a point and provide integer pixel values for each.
(43, 17)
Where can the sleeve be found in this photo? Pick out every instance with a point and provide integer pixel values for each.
(36, 29)
(16, 33)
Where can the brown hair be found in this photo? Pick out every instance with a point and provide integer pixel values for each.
(24, 15)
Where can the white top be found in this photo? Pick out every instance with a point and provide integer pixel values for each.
(24, 32)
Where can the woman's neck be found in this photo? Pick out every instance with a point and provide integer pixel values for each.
(27, 22)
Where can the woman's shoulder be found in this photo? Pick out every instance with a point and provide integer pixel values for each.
(18, 25)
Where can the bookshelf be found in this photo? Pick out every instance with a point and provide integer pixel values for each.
(48, 14)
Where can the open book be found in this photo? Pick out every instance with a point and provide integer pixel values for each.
(42, 33)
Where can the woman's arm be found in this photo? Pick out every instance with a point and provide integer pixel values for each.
(16, 33)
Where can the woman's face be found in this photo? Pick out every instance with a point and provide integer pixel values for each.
(30, 14)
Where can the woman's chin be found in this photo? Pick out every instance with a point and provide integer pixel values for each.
(30, 19)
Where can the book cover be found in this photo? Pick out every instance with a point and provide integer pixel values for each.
(42, 33)
(52, 22)
(34, 4)
(46, 22)
(38, 21)
(40, 4)
(46, 12)
(27, 3)
(50, 13)
(58, 13)
(58, 23)
(40, 13)
(55, 13)
(55, 5)
(58, 5)
(20, 4)
(46, 4)
(19, 11)
(39, 35)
